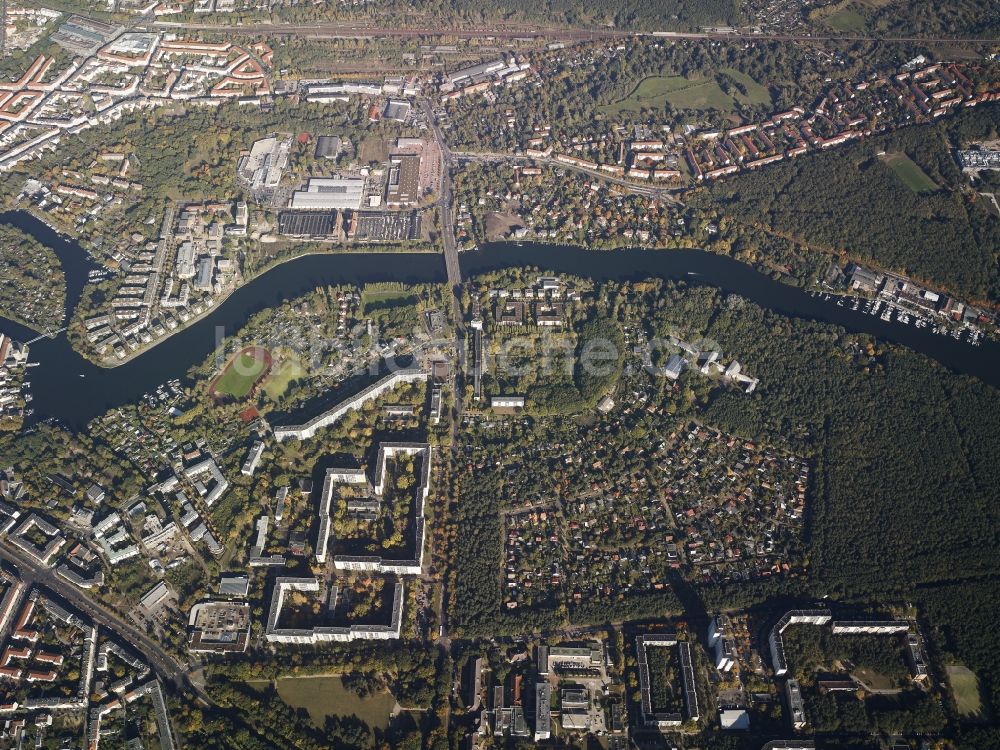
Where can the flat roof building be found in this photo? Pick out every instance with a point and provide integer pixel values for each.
(543, 711)
(403, 185)
(155, 596)
(219, 627)
(327, 147)
(326, 193)
(235, 586)
(796, 706)
(507, 402)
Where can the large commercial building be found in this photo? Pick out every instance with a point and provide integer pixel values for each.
(326, 193)
(403, 185)
(219, 627)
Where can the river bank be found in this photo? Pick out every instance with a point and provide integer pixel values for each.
(74, 390)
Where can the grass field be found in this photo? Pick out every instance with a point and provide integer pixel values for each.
(281, 375)
(844, 16)
(846, 20)
(241, 372)
(874, 680)
(965, 687)
(909, 172)
(325, 695)
(374, 299)
(756, 93)
(678, 91)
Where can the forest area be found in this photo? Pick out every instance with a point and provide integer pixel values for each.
(850, 201)
(619, 13)
(902, 502)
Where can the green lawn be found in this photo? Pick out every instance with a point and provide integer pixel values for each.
(965, 687)
(241, 373)
(375, 298)
(281, 375)
(874, 680)
(910, 173)
(325, 695)
(756, 93)
(690, 93)
(846, 20)
(678, 91)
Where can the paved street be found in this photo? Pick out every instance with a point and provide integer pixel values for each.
(661, 193)
(445, 199)
(165, 665)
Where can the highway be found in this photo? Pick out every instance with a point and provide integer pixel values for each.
(165, 665)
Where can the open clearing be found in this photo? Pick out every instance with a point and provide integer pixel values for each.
(374, 298)
(965, 687)
(844, 16)
(373, 150)
(909, 172)
(846, 20)
(756, 93)
(325, 695)
(678, 91)
(499, 226)
(874, 680)
(242, 372)
(284, 373)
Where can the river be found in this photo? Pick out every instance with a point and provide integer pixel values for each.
(68, 387)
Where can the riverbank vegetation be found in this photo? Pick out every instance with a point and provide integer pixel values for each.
(849, 201)
(33, 291)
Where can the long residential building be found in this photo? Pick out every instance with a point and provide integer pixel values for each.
(323, 634)
(390, 381)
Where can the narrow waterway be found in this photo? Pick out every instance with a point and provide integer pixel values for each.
(71, 389)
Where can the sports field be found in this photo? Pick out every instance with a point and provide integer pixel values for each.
(909, 172)
(965, 687)
(242, 372)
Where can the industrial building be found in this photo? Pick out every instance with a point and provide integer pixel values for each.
(311, 224)
(326, 193)
(403, 185)
(327, 147)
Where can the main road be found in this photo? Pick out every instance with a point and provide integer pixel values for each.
(446, 197)
(163, 663)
